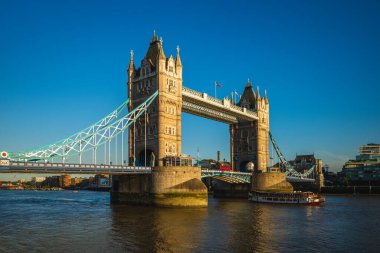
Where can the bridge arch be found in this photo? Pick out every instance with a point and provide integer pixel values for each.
(243, 165)
(150, 155)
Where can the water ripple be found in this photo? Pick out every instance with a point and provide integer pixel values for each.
(86, 222)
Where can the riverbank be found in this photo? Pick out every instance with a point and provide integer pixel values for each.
(20, 188)
(350, 190)
(31, 189)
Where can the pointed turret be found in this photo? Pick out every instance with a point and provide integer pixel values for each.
(248, 98)
(131, 70)
(266, 97)
(154, 37)
(131, 66)
(258, 93)
(178, 62)
(248, 85)
(155, 50)
(161, 54)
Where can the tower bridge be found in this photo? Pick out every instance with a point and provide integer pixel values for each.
(153, 122)
(156, 100)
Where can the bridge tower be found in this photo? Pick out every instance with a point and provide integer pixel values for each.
(163, 121)
(250, 139)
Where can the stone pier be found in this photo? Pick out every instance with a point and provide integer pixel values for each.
(165, 186)
(272, 182)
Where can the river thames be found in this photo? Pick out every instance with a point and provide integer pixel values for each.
(65, 221)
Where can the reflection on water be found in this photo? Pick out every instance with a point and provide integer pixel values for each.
(158, 229)
(86, 222)
(188, 230)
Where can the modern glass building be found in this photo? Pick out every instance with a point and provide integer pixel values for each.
(365, 169)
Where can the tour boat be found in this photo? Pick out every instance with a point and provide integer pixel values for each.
(296, 197)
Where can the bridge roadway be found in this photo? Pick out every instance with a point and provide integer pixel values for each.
(67, 168)
(225, 111)
(7, 166)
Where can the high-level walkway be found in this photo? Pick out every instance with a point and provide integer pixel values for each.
(206, 106)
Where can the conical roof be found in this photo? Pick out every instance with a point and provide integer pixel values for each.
(178, 58)
(248, 99)
(155, 51)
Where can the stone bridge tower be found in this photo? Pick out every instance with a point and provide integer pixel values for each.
(163, 123)
(249, 139)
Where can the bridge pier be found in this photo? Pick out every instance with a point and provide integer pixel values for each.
(165, 186)
(274, 182)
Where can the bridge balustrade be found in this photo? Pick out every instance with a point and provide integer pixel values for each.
(217, 102)
(193, 92)
(200, 95)
(237, 108)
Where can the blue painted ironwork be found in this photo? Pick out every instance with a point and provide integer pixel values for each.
(241, 177)
(291, 173)
(90, 138)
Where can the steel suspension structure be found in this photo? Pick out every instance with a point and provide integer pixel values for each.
(289, 170)
(90, 138)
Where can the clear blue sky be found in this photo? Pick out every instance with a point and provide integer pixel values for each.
(63, 66)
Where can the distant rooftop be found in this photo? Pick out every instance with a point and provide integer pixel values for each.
(370, 149)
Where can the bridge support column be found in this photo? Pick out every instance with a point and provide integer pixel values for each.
(165, 186)
(272, 182)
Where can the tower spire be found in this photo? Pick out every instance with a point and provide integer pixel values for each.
(266, 96)
(248, 83)
(154, 38)
(131, 66)
(258, 92)
(178, 59)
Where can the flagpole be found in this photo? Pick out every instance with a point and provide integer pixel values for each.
(215, 88)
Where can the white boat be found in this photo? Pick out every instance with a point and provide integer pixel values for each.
(296, 197)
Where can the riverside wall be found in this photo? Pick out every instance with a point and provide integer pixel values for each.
(361, 189)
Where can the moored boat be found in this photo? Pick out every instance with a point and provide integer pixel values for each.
(296, 197)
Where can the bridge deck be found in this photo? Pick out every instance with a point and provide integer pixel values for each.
(67, 168)
(54, 168)
(201, 104)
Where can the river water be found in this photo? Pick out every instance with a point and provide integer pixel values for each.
(84, 221)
